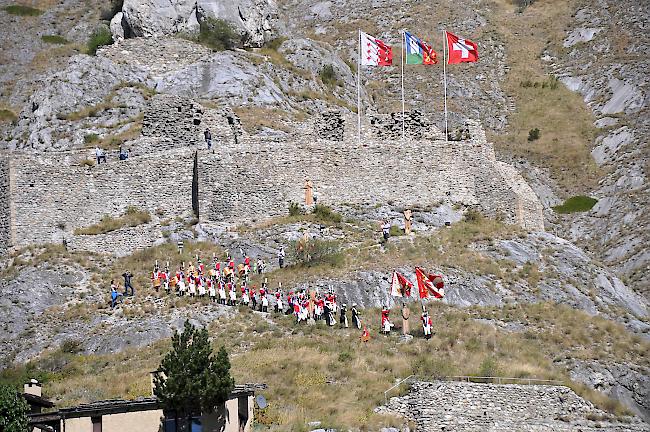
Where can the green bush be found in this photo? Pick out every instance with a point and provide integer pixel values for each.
(488, 368)
(533, 134)
(21, 10)
(218, 34)
(326, 214)
(345, 356)
(54, 39)
(576, 204)
(294, 209)
(91, 138)
(396, 231)
(100, 37)
(315, 252)
(328, 75)
(13, 410)
(71, 346)
(275, 43)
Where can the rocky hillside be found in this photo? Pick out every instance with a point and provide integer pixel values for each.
(573, 70)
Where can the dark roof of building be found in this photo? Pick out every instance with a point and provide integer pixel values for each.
(115, 406)
(38, 400)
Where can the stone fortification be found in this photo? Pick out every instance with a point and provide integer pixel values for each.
(472, 407)
(52, 199)
(171, 173)
(256, 179)
(5, 202)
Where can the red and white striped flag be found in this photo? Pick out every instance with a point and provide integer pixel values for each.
(374, 52)
(429, 284)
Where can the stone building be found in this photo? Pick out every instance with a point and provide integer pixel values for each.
(44, 198)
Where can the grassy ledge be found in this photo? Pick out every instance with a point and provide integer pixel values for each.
(579, 203)
(55, 39)
(132, 217)
(21, 10)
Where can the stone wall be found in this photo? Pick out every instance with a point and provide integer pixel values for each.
(5, 202)
(465, 407)
(256, 179)
(245, 178)
(51, 199)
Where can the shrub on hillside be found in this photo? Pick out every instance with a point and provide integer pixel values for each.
(294, 209)
(91, 138)
(71, 346)
(473, 216)
(100, 37)
(328, 75)
(326, 214)
(314, 252)
(54, 39)
(533, 134)
(218, 34)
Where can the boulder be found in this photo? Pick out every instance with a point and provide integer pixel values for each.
(117, 29)
(256, 20)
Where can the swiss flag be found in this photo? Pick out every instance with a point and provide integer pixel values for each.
(460, 50)
(429, 285)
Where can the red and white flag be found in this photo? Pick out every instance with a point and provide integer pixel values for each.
(460, 50)
(374, 52)
(400, 286)
(429, 284)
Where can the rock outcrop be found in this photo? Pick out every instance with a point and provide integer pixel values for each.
(607, 63)
(256, 20)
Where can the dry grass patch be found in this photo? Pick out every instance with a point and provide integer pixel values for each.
(254, 119)
(564, 121)
(131, 218)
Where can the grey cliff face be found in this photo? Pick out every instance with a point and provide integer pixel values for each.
(256, 20)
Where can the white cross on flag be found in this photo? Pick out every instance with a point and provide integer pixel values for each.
(460, 50)
(374, 52)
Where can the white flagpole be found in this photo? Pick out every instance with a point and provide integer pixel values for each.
(359, 91)
(403, 110)
(444, 68)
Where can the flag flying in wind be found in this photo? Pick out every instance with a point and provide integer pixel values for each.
(429, 284)
(374, 52)
(460, 50)
(418, 51)
(400, 286)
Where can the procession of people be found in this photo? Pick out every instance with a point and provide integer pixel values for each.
(229, 284)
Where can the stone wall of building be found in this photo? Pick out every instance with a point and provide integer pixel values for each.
(244, 178)
(5, 204)
(465, 407)
(51, 199)
(256, 179)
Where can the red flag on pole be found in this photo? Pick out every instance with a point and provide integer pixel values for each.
(429, 284)
(400, 286)
(460, 50)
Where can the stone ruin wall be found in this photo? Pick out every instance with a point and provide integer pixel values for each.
(469, 407)
(50, 202)
(5, 205)
(257, 179)
(248, 178)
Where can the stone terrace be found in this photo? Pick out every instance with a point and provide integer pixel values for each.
(473, 407)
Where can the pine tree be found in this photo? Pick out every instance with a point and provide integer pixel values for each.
(191, 380)
(13, 410)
